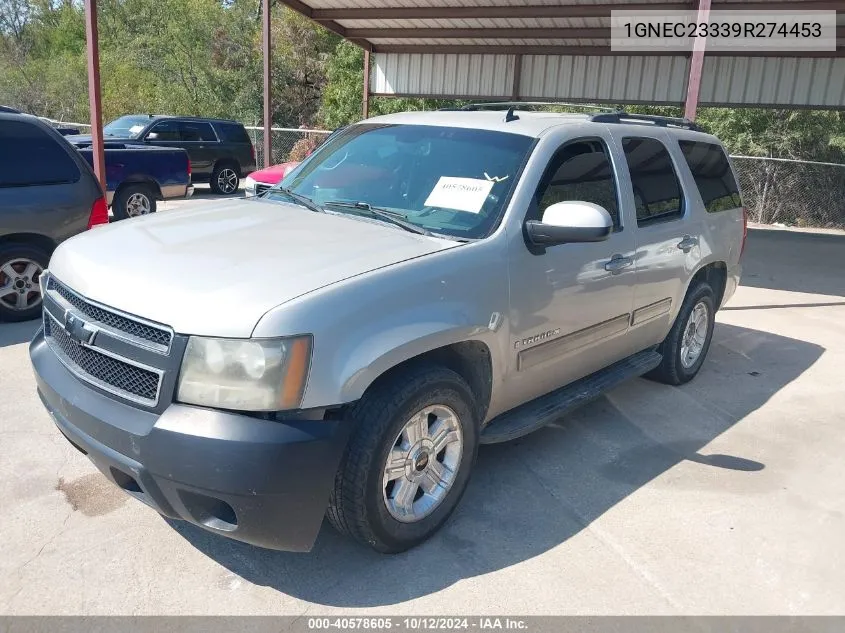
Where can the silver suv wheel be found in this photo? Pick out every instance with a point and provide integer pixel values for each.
(694, 335)
(422, 464)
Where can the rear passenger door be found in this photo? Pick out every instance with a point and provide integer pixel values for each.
(667, 231)
(201, 143)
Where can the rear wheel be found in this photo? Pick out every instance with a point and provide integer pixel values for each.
(409, 459)
(225, 179)
(688, 342)
(21, 266)
(133, 201)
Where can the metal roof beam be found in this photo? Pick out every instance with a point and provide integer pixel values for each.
(546, 11)
(471, 49)
(596, 33)
(331, 25)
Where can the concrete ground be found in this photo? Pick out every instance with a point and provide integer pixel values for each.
(725, 496)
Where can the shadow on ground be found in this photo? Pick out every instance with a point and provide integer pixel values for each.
(795, 261)
(15, 333)
(531, 495)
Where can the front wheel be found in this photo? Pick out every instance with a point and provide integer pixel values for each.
(686, 346)
(409, 459)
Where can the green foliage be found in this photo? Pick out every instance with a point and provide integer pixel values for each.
(200, 57)
(342, 97)
(203, 57)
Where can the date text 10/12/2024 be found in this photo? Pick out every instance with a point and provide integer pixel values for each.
(418, 623)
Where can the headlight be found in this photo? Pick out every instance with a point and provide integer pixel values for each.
(249, 186)
(245, 374)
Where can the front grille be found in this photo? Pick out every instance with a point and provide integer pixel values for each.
(131, 327)
(261, 188)
(104, 371)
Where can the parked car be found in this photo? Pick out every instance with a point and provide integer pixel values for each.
(47, 194)
(220, 150)
(139, 175)
(426, 282)
(259, 181)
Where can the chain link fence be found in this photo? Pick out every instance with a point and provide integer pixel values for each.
(792, 192)
(286, 144)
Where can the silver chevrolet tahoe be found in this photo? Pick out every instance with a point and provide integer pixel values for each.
(423, 283)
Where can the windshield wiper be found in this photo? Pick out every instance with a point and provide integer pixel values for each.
(305, 201)
(393, 217)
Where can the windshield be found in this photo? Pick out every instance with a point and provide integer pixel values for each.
(126, 126)
(452, 181)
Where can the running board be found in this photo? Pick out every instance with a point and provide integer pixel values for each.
(536, 414)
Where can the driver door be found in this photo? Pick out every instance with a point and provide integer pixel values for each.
(571, 304)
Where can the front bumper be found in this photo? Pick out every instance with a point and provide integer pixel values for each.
(262, 482)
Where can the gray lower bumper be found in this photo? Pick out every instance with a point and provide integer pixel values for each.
(262, 482)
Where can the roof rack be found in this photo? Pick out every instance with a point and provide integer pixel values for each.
(510, 105)
(621, 116)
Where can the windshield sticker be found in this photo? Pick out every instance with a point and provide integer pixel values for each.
(462, 194)
(135, 129)
(495, 178)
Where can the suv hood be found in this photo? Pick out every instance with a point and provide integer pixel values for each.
(218, 270)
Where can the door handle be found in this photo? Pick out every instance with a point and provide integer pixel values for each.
(618, 263)
(687, 243)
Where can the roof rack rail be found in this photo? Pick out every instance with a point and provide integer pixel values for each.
(507, 105)
(663, 121)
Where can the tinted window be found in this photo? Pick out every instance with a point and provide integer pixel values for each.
(580, 171)
(657, 191)
(32, 156)
(713, 176)
(196, 131)
(454, 181)
(129, 126)
(164, 131)
(232, 133)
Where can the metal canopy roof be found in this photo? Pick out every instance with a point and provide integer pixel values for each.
(560, 49)
(534, 27)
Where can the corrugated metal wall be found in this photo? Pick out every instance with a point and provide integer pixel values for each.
(442, 74)
(726, 80)
(604, 78)
(773, 81)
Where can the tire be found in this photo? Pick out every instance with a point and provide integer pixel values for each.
(674, 370)
(225, 179)
(20, 269)
(360, 504)
(133, 201)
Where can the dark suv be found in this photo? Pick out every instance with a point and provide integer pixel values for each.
(220, 150)
(48, 193)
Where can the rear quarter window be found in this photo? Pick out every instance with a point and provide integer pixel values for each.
(232, 133)
(32, 156)
(712, 174)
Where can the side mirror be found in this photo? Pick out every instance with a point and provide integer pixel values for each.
(570, 222)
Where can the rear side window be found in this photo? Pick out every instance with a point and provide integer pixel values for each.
(580, 171)
(713, 176)
(657, 190)
(232, 133)
(196, 131)
(32, 156)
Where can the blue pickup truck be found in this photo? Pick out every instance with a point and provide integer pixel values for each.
(139, 175)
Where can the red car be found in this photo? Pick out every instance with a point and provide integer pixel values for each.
(263, 179)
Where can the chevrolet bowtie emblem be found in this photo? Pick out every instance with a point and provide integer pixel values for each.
(79, 330)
